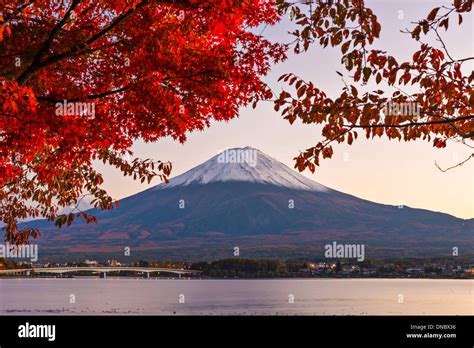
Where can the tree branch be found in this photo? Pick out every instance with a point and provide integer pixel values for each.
(89, 97)
(411, 124)
(457, 165)
(46, 45)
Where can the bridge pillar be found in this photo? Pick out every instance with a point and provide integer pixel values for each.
(179, 274)
(103, 275)
(146, 275)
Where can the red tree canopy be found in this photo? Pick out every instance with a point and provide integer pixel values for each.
(81, 80)
(441, 109)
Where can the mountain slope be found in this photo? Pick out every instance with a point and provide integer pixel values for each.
(264, 208)
(244, 165)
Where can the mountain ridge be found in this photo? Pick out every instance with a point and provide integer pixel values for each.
(263, 207)
(243, 164)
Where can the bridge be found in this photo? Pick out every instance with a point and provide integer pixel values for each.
(102, 270)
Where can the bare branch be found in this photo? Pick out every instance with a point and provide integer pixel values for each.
(457, 165)
(412, 124)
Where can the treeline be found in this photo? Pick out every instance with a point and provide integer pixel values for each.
(4, 263)
(241, 268)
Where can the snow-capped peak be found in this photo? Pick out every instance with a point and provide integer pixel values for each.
(244, 164)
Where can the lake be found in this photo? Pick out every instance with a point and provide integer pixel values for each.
(30, 296)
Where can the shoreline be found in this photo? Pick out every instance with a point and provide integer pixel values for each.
(247, 278)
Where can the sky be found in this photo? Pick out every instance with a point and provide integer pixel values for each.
(389, 172)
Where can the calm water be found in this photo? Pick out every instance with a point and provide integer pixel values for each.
(240, 297)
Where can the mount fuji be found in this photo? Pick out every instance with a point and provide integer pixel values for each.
(244, 198)
(244, 165)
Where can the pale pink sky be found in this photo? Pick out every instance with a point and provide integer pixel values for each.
(380, 171)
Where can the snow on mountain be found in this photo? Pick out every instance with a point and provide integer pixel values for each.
(244, 164)
(82, 205)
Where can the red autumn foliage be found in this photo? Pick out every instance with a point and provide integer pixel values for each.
(151, 69)
(442, 108)
(123, 70)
